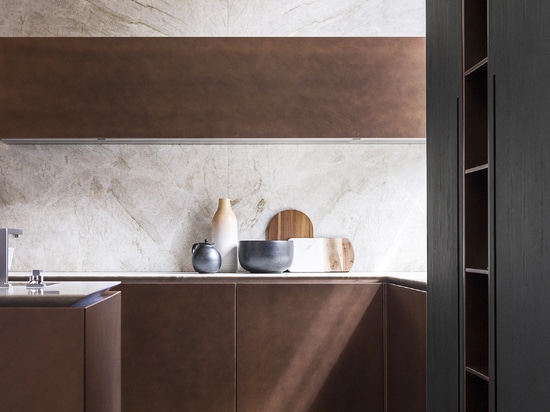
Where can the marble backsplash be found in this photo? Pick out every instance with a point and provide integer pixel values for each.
(212, 18)
(140, 208)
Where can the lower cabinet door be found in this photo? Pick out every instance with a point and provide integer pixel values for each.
(178, 347)
(405, 349)
(57, 359)
(310, 347)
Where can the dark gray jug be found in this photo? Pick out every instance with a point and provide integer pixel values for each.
(206, 258)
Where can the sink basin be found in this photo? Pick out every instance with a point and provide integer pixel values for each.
(52, 294)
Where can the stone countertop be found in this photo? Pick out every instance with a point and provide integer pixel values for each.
(55, 292)
(415, 280)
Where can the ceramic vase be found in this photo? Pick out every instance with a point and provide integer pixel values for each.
(225, 236)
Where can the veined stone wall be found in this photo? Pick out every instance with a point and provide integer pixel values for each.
(140, 208)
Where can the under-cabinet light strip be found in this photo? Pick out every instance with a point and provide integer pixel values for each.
(215, 141)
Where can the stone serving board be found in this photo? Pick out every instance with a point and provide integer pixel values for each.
(322, 255)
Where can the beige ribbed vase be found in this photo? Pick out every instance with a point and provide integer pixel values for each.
(225, 236)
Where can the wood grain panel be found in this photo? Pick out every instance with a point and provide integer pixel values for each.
(178, 347)
(521, 63)
(289, 223)
(310, 347)
(406, 349)
(212, 87)
(443, 89)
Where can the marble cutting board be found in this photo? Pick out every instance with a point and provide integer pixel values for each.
(322, 255)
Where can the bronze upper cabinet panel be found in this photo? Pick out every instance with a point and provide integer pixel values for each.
(172, 88)
(310, 347)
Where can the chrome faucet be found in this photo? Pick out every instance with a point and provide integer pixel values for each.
(4, 250)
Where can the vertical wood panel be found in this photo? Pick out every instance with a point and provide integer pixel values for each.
(212, 87)
(521, 63)
(443, 88)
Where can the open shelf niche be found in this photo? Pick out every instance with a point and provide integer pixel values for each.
(476, 189)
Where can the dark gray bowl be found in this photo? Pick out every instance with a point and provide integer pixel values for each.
(266, 256)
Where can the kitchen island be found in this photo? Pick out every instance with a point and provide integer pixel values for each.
(61, 347)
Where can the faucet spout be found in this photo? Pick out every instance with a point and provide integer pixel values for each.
(4, 250)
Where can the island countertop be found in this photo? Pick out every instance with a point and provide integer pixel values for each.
(55, 292)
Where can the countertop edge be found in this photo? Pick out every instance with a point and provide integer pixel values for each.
(414, 280)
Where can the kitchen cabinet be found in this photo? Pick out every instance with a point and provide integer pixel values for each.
(444, 178)
(405, 349)
(506, 196)
(310, 347)
(178, 347)
(62, 358)
(157, 89)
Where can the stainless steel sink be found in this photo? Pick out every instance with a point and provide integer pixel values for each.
(24, 284)
(68, 293)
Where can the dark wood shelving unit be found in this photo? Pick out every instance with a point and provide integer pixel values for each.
(487, 143)
(476, 207)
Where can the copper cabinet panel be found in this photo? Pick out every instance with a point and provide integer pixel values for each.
(248, 87)
(406, 349)
(46, 354)
(103, 355)
(310, 347)
(42, 359)
(178, 347)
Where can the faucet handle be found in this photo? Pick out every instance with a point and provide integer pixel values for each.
(36, 280)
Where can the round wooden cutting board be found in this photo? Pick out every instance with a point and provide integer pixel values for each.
(289, 224)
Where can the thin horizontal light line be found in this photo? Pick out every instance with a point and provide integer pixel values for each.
(218, 141)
